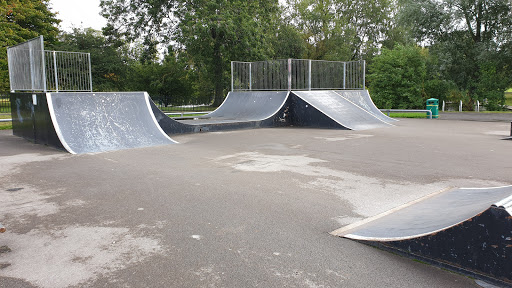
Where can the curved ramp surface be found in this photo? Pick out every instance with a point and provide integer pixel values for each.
(99, 122)
(248, 106)
(362, 99)
(341, 110)
(467, 228)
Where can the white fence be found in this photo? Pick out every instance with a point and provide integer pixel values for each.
(31, 68)
(297, 74)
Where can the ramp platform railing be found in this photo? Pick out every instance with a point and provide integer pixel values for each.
(297, 74)
(31, 68)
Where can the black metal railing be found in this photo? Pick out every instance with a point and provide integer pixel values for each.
(5, 103)
(183, 105)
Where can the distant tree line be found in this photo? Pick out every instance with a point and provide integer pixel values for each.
(180, 50)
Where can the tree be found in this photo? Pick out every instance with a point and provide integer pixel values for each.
(109, 61)
(216, 32)
(341, 29)
(210, 32)
(470, 38)
(396, 78)
(168, 82)
(288, 41)
(23, 20)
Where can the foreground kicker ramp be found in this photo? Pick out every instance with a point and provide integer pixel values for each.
(467, 229)
(86, 122)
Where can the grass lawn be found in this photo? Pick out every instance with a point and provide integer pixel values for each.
(5, 125)
(407, 115)
(187, 115)
(186, 109)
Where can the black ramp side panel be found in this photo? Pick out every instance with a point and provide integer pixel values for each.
(98, 122)
(341, 110)
(249, 106)
(171, 126)
(31, 119)
(302, 114)
(362, 99)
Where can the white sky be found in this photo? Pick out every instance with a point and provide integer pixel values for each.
(78, 13)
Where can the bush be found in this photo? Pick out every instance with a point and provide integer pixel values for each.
(396, 78)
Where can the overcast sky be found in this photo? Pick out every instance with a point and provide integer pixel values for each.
(78, 13)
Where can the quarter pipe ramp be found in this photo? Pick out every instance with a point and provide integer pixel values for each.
(241, 110)
(88, 122)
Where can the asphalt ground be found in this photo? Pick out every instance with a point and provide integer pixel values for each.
(476, 116)
(250, 208)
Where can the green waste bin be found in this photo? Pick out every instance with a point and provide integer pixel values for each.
(433, 106)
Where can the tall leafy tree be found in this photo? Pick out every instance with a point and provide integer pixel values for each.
(470, 39)
(211, 32)
(341, 29)
(22, 20)
(109, 61)
(215, 32)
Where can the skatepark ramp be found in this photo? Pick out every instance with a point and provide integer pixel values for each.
(240, 110)
(86, 122)
(255, 109)
(468, 230)
(362, 99)
(332, 110)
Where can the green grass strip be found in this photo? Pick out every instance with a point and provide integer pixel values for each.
(407, 115)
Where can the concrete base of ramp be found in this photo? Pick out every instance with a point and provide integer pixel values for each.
(467, 229)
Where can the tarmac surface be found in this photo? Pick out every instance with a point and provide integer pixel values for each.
(234, 209)
(476, 116)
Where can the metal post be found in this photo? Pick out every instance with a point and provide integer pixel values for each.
(364, 74)
(309, 73)
(31, 63)
(231, 76)
(90, 72)
(10, 68)
(250, 76)
(289, 74)
(477, 106)
(55, 71)
(344, 75)
(43, 64)
(460, 106)
(443, 106)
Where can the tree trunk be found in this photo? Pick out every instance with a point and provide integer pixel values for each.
(217, 77)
